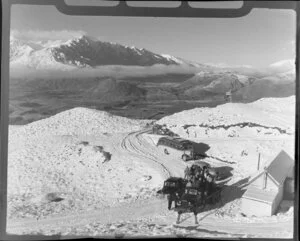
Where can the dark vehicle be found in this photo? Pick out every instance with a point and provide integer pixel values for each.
(200, 190)
(175, 142)
(190, 154)
(182, 145)
(195, 199)
(174, 187)
(191, 201)
(195, 191)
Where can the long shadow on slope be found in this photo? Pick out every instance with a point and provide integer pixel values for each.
(224, 172)
(200, 148)
(232, 192)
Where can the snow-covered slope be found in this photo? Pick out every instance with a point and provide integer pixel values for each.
(274, 115)
(282, 66)
(213, 83)
(184, 61)
(210, 83)
(276, 85)
(18, 48)
(94, 173)
(73, 158)
(81, 121)
(34, 55)
(282, 77)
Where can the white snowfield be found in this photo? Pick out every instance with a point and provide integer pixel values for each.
(81, 121)
(273, 115)
(283, 65)
(272, 112)
(87, 172)
(25, 56)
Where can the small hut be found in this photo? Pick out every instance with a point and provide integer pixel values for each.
(265, 191)
(228, 96)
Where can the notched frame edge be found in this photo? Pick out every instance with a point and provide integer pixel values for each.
(184, 10)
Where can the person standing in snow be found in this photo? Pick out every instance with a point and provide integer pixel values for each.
(171, 197)
(203, 180)
(203, 174)
(189, 183)
(197, 180)
(211, 177)
(192, 170)
(187, 173)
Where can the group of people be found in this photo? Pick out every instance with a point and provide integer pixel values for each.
(197, 178)
(200, 178)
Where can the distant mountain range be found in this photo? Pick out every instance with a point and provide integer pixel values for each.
(86, 52)
(203, 83)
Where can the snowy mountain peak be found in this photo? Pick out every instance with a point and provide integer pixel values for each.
(83, 39)
(87, 38)
(85, 51)
(170, 57)
(224, 65)
(283, 65)
(18, 48)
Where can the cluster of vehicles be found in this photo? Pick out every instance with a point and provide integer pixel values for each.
(198, 187)
(193, 192)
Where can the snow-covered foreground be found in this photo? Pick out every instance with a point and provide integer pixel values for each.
(85, 172)
(59, 158)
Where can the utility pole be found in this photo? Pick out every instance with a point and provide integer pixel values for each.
(265, 178)
(258, 162)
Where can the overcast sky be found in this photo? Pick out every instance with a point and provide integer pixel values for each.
(258, 39)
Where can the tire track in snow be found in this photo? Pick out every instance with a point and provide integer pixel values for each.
(129, 145)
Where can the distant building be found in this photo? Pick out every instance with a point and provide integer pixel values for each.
(265, 191)
(228, 96)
